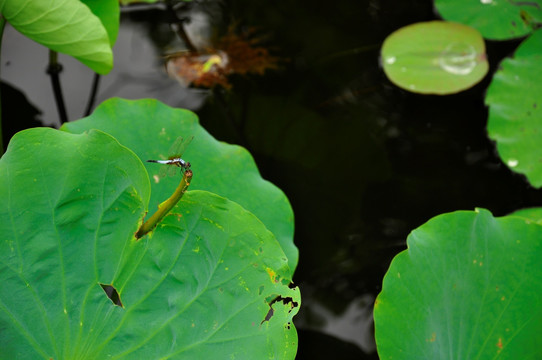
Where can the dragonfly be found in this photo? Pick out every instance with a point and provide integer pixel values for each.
(174, 158)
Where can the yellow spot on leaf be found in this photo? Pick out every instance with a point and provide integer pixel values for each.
(272, 274)
(213, 223)
(243, 284)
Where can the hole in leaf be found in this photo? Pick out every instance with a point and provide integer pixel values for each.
(112, 294)
(285, 300)
(269, 315)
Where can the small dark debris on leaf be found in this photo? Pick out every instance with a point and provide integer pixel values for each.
(112, 294)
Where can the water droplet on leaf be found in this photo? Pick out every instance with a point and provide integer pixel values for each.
(458, 59)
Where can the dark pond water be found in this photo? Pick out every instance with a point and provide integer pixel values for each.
(362, 162)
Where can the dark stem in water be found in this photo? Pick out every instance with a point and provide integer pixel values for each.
(93, 92)
(54, 69)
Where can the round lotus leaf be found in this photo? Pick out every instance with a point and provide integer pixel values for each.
(435, 57)
(468, 287)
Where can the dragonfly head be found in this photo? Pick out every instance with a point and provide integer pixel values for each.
(187, 165)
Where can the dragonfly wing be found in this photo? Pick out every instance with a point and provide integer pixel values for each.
(171, 170)
(179, 146)
(163, 170)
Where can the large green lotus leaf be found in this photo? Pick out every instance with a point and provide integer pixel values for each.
(69, 27)
(468, 287)
(514, 98)
(149, 128)
(210, 283)
(434, 57)
(495, 19)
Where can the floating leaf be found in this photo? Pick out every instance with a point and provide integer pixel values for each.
(514, 98)
(468, 287)
(434, 57)
(496, 20)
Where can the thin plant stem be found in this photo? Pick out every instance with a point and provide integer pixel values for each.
(54, 69)
(2, 26)
(93, 92)
(178, 27)
(165, 207)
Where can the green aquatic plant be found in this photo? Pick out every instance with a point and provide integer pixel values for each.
(469, 284)
(211, 280)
